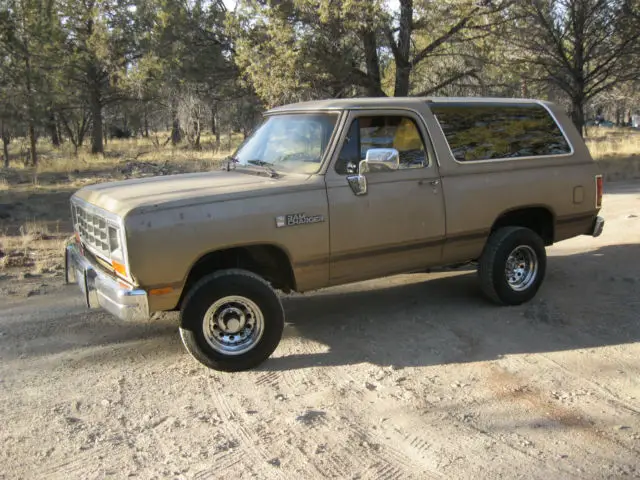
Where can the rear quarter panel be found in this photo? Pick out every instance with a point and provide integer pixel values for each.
(477, 193)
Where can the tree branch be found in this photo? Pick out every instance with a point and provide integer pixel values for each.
(424, 53)
(445, 83)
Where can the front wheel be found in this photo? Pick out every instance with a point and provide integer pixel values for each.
(231, 320)
(512, 266)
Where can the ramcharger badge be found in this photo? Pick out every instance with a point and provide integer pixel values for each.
(294, 219)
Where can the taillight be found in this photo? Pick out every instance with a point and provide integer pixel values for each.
(598, 191)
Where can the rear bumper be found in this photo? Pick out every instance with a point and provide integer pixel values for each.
(102, 291)
(598, 226)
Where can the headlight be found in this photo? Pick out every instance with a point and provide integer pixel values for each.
(115, 248)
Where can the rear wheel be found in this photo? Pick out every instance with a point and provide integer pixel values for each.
(512, 266)
(231, 320)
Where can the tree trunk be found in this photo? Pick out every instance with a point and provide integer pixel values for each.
(374, 89)
(5, 144)
(53, 130)
(403, 65)
(214, 114)
(96, 121)
(30, 104)
(524, 88)
(577, 113)
(5, 151)
(82, 128)
(33, 141)
(176, 134)
(59, 130)
(215, 124)
(402, 80)
(146, 124)
(196, 131)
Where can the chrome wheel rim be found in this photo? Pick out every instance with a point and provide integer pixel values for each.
(233, 325)
(522, 268)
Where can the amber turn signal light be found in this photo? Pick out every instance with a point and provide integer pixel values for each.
(119, 268)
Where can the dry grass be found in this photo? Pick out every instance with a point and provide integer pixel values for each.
(607, 142)
(33, 234)
(120, 151)
(35, 250)
(122, 158)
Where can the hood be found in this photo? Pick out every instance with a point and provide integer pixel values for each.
(175, 190)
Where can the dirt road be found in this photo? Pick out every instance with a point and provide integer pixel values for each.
(413, 376)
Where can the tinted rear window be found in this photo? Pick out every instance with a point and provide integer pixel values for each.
(497, 131)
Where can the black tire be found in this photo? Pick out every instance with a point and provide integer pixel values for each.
(220, 285)
(493, 263)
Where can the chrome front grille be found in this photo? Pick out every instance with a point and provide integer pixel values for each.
(93, 230)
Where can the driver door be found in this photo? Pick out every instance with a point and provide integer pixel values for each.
(399, 224)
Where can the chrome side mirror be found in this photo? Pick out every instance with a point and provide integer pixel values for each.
(382, 160)
(377, 160)
(358, 182)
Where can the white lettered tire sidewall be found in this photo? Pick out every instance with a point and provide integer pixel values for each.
(229, 283)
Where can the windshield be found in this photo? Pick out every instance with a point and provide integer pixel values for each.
(291, 143)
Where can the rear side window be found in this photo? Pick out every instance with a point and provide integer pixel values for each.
(499, 131)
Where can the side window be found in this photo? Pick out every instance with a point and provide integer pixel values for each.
(397, 132)
(499, 131)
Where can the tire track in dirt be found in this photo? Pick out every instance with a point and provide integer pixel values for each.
(613, 398)
(380, 450)
(373, 450)
(377, 451)
(418, 444)
(384, 470)
(326, 467)
(219, 466)
(267, 442)
(76, 467)
(270, 379)
(295, 377)
(256, 447)
(338, 464)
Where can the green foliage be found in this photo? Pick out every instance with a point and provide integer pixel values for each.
(99, 68)
(304, 49)
(583, 47)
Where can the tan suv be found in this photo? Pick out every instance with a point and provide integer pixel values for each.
(330, 192)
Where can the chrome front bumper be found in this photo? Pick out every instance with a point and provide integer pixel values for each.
(598, 226)
(100, 290)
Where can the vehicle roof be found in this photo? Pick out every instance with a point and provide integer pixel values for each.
(389, 102)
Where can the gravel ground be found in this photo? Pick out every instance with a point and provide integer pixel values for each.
(413, 376)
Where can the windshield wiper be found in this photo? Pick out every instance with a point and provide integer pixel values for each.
(266, 166)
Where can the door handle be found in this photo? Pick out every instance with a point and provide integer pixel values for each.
(433, 183)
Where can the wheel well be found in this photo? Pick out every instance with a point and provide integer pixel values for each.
(268, 261)
(538, 219)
